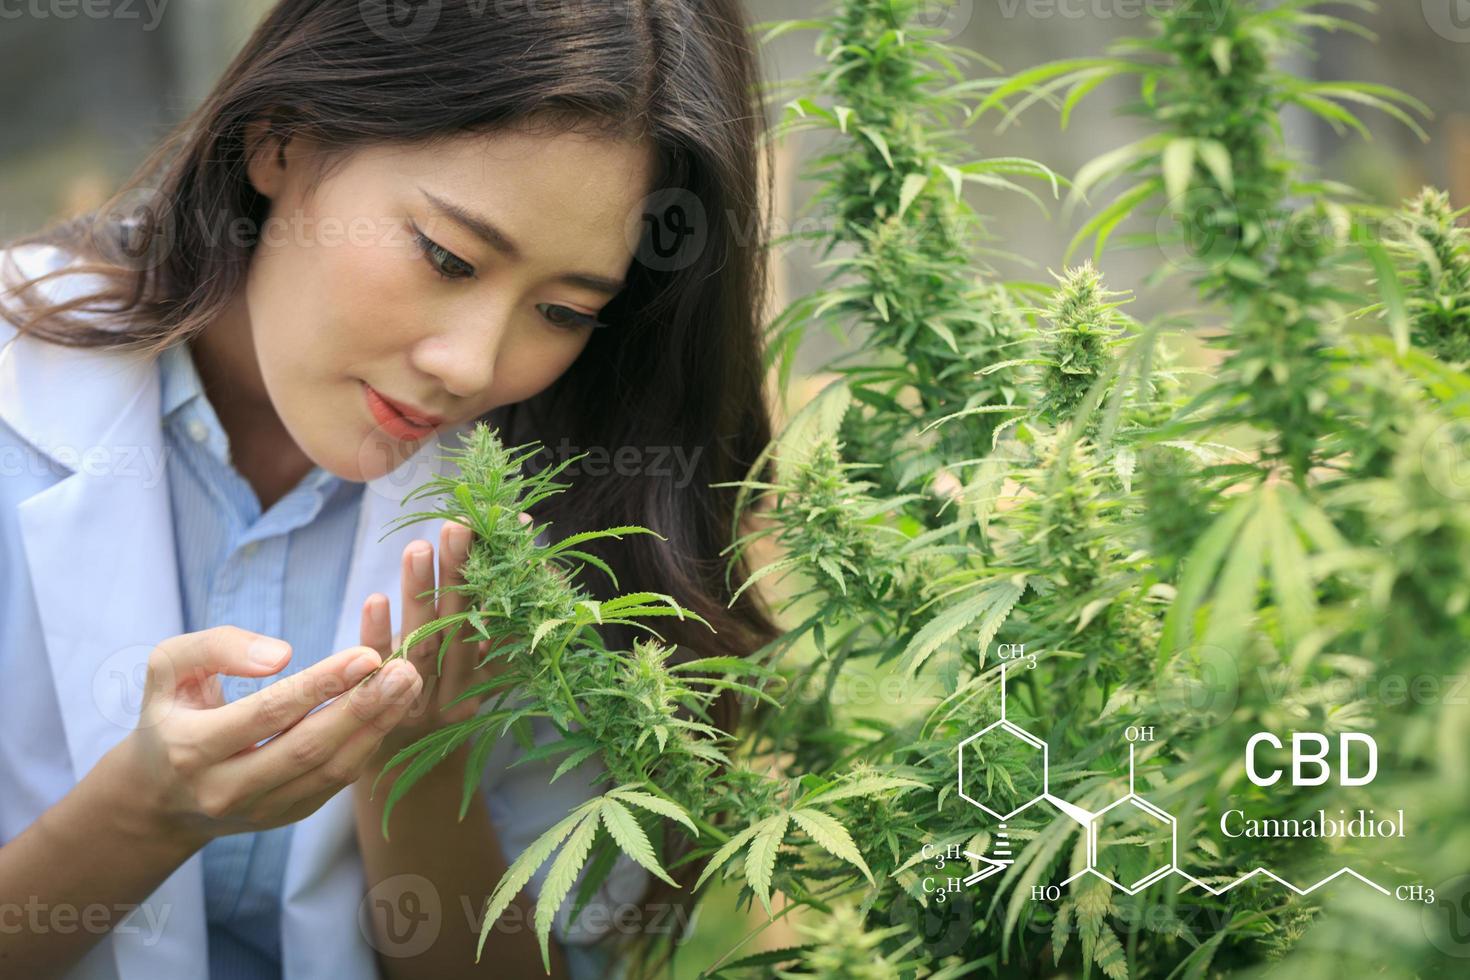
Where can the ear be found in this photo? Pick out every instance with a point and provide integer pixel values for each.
(265, 158)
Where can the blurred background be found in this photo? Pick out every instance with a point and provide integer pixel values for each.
(96, 84)
(92, 95)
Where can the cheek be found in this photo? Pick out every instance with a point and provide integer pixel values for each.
(530, 366)
(371, 302)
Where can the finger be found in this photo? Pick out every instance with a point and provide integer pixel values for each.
(179, 667)
(223, 731)
(417, 578)
(342, 769)
(377, 630)
(377, 705)
(454, 550)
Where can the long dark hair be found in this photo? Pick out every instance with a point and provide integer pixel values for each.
(680, 369)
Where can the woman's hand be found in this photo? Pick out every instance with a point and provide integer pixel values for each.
(195, 759)
(428, 713)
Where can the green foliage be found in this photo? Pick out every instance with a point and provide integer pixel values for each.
(1258, 546)
(1434, 262)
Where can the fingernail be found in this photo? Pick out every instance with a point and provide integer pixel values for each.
(267, 653)
(378, 611)
(459, 540)
(420, 561)
(396, 681)
(361, 667)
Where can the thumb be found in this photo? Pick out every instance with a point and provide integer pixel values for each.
(180, 667)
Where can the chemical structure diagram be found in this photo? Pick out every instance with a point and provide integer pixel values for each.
(1123, 823)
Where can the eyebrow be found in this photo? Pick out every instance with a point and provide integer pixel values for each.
(484, 229)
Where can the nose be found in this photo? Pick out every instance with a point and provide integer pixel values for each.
(462, 354)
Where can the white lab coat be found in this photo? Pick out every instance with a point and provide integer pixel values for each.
(89, 585)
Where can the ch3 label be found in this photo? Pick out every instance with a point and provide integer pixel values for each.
(1009, 652)
(1309, 765)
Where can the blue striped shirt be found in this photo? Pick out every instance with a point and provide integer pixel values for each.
(280, 573)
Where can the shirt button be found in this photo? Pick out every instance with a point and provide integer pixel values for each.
(249, 549)
(198, 431)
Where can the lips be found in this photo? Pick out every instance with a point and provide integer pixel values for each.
(398, 420)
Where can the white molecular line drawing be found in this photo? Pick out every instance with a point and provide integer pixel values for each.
(1091, 821)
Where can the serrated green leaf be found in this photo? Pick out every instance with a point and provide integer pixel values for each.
(654, 804)
(727, 851)
(521, 870)
(760, 860)
(832, 836)
(561, 877)
(625, 830)
(991, 604)
(913, 186)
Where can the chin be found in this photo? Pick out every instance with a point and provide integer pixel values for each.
(377, 454)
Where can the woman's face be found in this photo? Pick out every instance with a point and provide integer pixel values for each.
(448, 279)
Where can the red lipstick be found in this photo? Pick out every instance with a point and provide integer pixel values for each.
(398, 420)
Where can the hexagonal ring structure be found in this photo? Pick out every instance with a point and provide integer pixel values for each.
(1139, 807)
(1013, 731)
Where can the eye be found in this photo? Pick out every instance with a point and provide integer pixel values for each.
(444, 262)
(568, 318)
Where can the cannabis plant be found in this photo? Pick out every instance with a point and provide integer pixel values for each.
(1017, 504)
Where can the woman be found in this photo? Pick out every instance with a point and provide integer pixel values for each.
(385, 223)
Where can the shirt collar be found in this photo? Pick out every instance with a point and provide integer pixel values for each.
(179, 378)
(180, 386)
